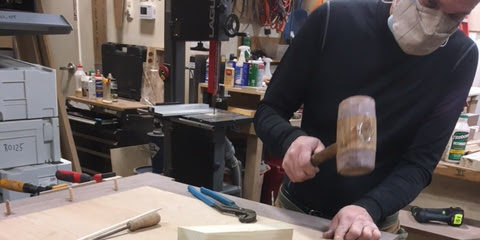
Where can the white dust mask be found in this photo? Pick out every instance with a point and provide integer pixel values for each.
(419, 30)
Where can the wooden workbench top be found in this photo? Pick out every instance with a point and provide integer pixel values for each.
(456, 171)
(120, 105)
(56, 199)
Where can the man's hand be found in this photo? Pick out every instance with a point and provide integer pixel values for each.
(297, 163)
(352, 222)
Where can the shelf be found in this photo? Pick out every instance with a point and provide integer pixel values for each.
(27, 23)
(245, 90)
(456, 171)
(120, 105)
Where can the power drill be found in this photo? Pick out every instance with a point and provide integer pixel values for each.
(451, 216)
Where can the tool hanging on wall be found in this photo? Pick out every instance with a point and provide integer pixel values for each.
(273, 13)
(296, 19)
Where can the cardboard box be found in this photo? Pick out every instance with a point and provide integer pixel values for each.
(472, 119)
(471, 161)
(473, 133)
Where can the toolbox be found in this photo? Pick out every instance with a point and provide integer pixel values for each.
(98, 130)
(27, 91)
(125, 63)
(26, 142)
(41, 175)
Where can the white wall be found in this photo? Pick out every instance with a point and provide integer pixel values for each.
(139, 32)
(474, 19)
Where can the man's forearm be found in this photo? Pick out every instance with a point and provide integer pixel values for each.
(275, 130)
(396, 191)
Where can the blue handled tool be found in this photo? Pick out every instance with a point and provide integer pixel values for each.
(224, 205)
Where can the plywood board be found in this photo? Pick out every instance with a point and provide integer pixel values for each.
(118, 11)
(82, 218)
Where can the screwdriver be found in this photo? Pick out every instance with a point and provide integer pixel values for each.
(74, 177)
(145, 220)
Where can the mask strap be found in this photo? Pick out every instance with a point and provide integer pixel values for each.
(445, 43)
(387, 1)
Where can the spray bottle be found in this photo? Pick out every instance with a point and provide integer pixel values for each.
(268, 74)
(252, 73)
(239, 67)
(260, 73)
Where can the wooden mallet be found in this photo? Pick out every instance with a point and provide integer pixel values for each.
(356, 138)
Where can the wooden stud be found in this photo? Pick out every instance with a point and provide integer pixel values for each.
(115, 185)
(99, 21)
(119, 12)
(70, 194)
(8, 210)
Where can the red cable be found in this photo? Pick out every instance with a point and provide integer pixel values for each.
(272, 16)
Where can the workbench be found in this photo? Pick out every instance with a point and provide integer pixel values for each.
(455, 171)
(119, 105)
(307, 226)
(98, 127)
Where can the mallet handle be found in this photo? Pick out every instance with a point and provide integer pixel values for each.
(327, 154)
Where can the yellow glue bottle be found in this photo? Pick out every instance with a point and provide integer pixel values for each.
(458, 141)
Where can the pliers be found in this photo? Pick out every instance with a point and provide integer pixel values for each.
(225, 206)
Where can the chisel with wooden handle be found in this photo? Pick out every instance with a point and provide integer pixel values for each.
(22, 187)
(148, 219)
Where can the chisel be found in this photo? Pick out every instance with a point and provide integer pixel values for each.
(18, 186)
(148, 219)
(22, 187)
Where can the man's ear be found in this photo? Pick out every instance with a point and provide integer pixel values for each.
(394, 3)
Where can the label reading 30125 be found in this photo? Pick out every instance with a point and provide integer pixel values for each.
(13, 147)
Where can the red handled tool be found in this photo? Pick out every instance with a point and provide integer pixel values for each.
(74, 177)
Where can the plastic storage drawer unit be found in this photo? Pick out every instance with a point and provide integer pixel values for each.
(27, 91)
(42, 175)
(27, 142)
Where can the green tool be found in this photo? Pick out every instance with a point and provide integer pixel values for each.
(451, 216)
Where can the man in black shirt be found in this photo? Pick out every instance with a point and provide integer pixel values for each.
(410, 57)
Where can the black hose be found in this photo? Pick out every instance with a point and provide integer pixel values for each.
(234, 164)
